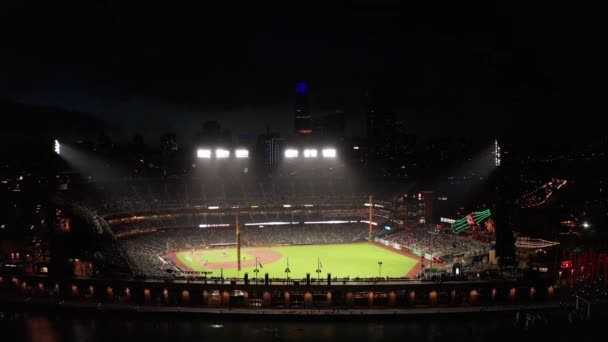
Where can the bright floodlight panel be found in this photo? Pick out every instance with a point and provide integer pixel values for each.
(291, 153)
(241, 153)
(221, 153)
(329, 153)
(203, 153)
(57, 147)
(310, 153)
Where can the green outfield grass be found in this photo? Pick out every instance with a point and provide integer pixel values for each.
(352, 260)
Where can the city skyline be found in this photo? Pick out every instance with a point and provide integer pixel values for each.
(467, 69)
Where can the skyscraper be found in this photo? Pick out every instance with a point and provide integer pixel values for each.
(380, 128)
(330, 126)
(302, 118)
(212, 134)
(269, 149)
(380, 125)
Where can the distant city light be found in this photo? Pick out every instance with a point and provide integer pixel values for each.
(585, 224)
(286, 205)
(355, 147)
(301, 87)
(203, 153)
(213, 207)
(310, 153)
(291, 153)
(241, 153)
(221, 153)
(57, 147)
(329, 153)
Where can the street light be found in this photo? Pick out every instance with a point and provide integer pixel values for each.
(379, 269)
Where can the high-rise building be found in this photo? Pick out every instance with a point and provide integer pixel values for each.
(380, 126)
(380, 135)
(331, 126)
(302, 117)
(212, 134)
(273, 151)
(269, 149)
(505, 240)
(168, 149)
(431, 215)
(168, 143)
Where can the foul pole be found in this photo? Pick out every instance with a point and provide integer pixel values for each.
(370, 217)
(238, 243)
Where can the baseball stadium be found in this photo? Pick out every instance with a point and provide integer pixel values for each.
(356, 237)
(311, 235)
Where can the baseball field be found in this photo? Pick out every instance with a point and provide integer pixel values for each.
(344, 260)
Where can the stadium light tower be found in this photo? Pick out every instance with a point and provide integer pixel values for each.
(496, 153)
(329, 153)
(57, 147)
(310, 153)
(221, 153)
(241, 153)
(291, 153)
(203, 153)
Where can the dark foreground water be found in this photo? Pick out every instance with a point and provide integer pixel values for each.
(119, 327)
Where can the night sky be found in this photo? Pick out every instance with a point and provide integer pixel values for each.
(462, 69)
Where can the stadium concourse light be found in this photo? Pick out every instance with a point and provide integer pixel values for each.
(241, 153)
(291, 153)
(329, 153)
(221, 153)
(203, 153)
(310, 153)
(57, 147)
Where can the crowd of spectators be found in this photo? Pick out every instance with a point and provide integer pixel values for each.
(84, 212)
(147, 252)
(445, 246)
(150, 217)
(140, 196)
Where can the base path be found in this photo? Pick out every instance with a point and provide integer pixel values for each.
(264, 255)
